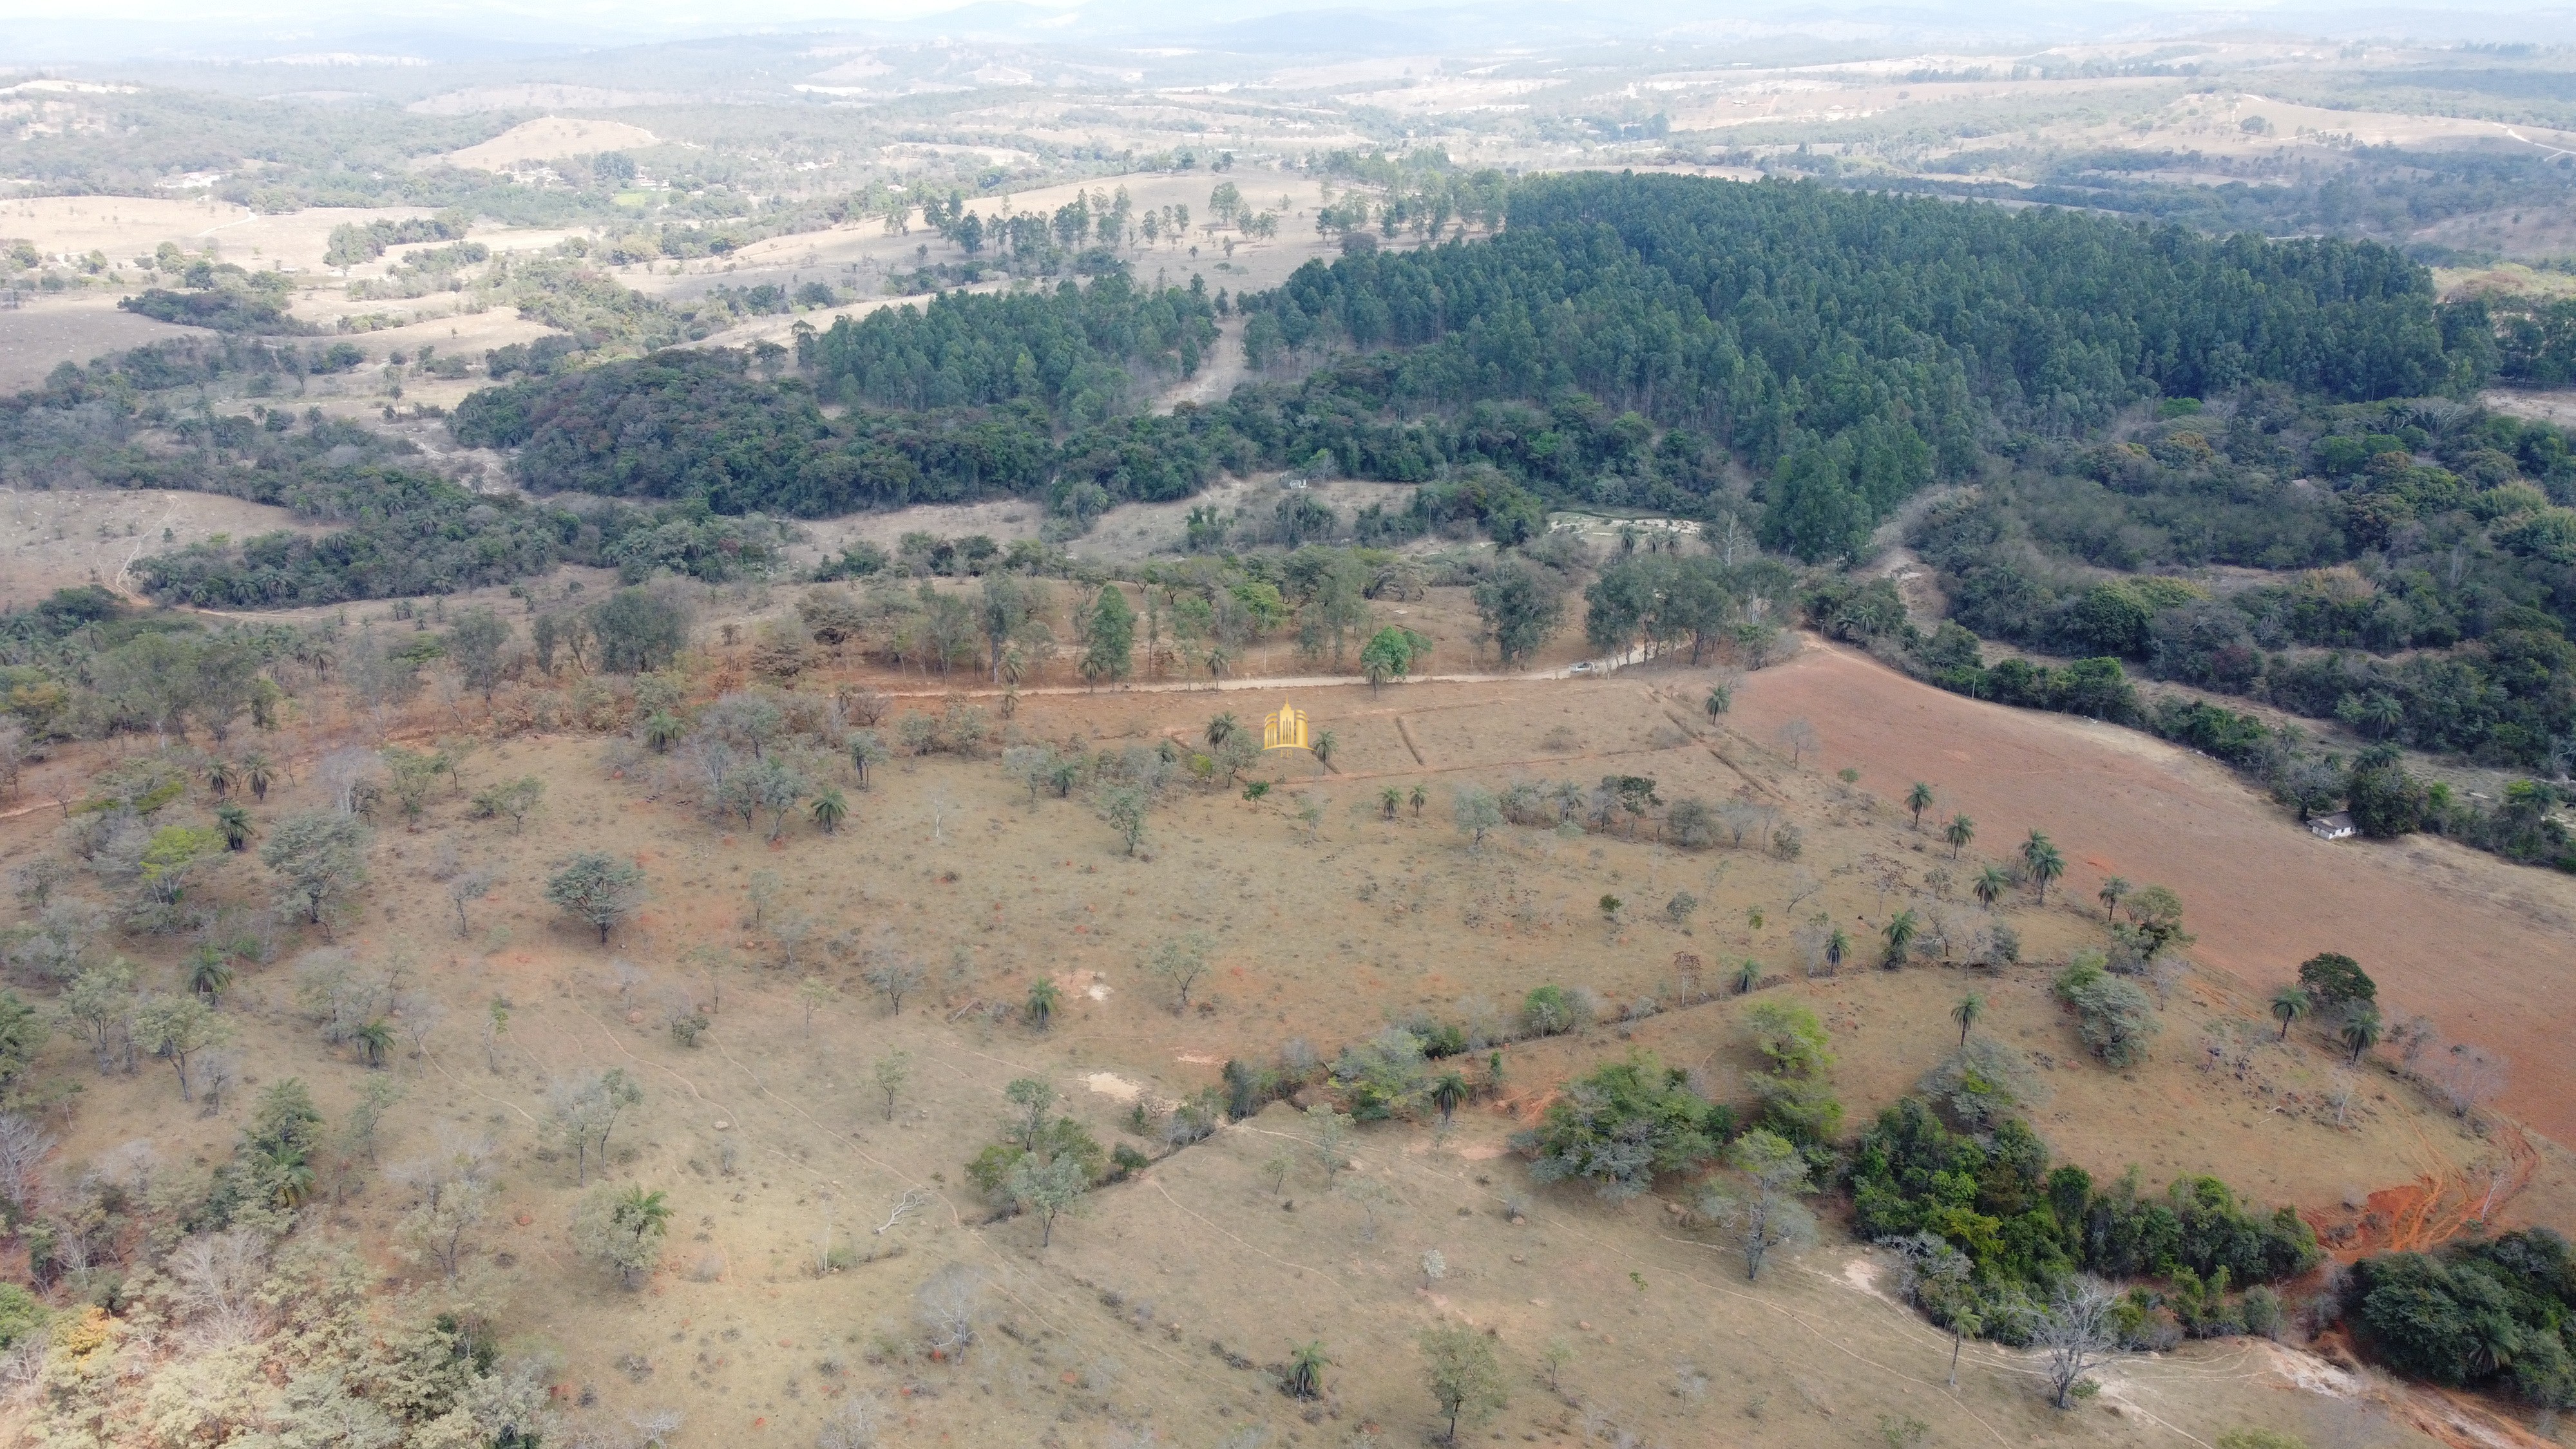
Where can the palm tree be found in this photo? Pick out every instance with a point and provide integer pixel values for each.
(1218, 662)
(1719, 700)
(1323, 748)
(1991, 884)
(1306, 1371)
(2290, 1003)
(1220, 729)
(663, 729)
(288, 1174)
(1377, 669)
(374, 1040)
(1918, 800)
(1390, 800)
(2109, 895)
(258, 774)
(2381, 714)
(1900, 933)
(221, 776)
(1837, 946)
(1970, 1010)
(1043, 997)
(210, 975)
(1447, 1091)
(641, 1212)
(1421, 797)
(2040, 854)
(2360, 1030)
(234, 822)
(831, 807)
(1961, 830)
(1747, 976)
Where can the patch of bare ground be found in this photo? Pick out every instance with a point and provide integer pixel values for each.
(60, 538)
(2460, 936)
(45, 333)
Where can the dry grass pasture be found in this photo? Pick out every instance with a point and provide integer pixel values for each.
(1158, 1307)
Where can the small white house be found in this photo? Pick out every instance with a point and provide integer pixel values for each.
(2337, 826)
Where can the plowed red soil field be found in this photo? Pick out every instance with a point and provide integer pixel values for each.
(2485, 948)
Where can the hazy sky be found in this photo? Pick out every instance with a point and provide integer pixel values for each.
(40, 31)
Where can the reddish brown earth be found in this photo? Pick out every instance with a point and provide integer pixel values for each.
(2475, 943)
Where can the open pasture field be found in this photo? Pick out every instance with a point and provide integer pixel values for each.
(1325, 917)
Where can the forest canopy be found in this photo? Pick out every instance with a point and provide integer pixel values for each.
(1622, 341)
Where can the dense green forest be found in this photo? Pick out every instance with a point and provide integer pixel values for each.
(1621, 343)
(401, 528)
(2420, 582)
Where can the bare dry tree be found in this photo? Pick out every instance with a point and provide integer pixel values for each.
(947, 1305)
(2075, 1333)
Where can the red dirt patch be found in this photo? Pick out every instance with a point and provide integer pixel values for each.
(2471, 941)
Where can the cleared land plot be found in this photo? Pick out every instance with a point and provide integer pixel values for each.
(2477, 944)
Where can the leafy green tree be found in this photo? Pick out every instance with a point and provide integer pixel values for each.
(1390, 654)
(2115, 1017)
(598, 888)
(638, 630)
(1476, 813)
(1720, 700)
(1622, 1124)
(2336, 982)
(1111, 638)
(1032, 1101)
(476, 642)
(1047, 1188)
(1465, 1376)
(179, 1027)
(890, 1073)
(1796, 1094)
(1126, 806)
(511, 800)
(1520, 608)
(23, 1031)
(320, 856)
(622, 1229)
